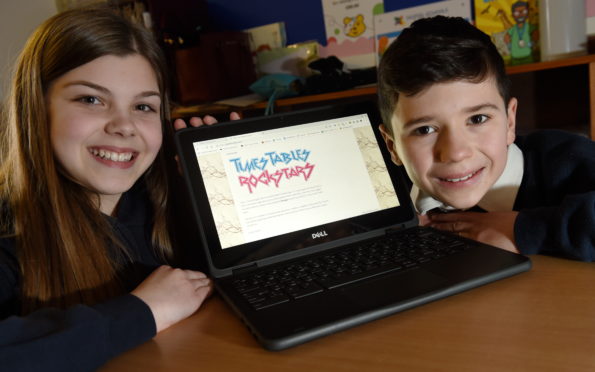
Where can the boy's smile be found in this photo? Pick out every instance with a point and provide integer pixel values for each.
(452, 139)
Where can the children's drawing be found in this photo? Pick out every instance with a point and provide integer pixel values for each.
(513, 26)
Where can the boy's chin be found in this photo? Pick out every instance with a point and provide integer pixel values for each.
(462, 204)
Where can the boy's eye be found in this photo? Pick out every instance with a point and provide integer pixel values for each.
(478, 119)
(422, 131)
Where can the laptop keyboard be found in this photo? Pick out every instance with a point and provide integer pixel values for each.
(346, 266)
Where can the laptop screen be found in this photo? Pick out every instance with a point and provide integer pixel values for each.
(266, 187)
(281, 180)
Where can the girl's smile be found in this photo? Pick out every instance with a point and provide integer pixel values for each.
(119, 158)
(105, 124)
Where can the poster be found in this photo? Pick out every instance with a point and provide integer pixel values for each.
(349, 26)
(389, 25)
(513, 26)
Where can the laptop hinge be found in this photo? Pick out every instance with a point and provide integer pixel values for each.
(399, 228)
(244, 269)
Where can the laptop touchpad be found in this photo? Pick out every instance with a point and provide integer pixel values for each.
(395, 288)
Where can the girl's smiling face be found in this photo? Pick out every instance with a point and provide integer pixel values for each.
(453, 138)
(105, 124)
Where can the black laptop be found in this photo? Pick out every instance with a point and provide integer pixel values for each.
(308, 228)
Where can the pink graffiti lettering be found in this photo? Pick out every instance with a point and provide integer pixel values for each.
(274, 178)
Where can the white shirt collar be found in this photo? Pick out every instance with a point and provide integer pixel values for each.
(499, 198)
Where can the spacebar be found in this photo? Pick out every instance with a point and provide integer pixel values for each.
(331, 283)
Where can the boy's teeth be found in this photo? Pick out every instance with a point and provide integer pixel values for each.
(113, 156)
(459, 179)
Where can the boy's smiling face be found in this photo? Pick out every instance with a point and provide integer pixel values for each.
(452, 139)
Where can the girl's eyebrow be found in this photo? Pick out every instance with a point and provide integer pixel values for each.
(88, 84)
(148, 93)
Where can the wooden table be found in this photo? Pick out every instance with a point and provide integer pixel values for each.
(541, 320)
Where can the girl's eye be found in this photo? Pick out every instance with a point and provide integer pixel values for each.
(90, 100)
(478, 119)
(425, 130)
(145, 108)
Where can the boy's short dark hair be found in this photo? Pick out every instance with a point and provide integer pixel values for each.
(437, 50)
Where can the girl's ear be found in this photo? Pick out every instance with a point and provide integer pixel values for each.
(511, 120)
(390, 144)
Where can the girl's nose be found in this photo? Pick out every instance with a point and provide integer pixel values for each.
(121, 124)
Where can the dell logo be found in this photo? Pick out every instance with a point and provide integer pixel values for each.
(320, 234)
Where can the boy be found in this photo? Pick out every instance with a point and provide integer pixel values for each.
(450, 121)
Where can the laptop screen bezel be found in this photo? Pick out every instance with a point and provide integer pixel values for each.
(293, 244)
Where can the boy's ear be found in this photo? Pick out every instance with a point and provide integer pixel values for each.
(511, 120)
(390, 144)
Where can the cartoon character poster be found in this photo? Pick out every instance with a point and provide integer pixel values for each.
(349, 26)
(388, 26)
(513, 26)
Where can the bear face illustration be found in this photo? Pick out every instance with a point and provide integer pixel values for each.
(354, 27)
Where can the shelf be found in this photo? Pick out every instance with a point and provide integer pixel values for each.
(371, 91)
(355, 92)
(529, 67)
(588, 63)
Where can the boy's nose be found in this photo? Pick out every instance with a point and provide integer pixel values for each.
(120, 124)
(452, 146)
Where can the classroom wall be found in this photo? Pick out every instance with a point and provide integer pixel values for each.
(303, 21)
(303, 18)
(17, 20)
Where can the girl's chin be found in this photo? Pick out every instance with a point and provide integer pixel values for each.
(113, 190)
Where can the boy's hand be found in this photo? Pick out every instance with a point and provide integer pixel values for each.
(197, 122)
(494, 228)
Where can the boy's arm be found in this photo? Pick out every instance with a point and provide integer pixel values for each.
(556, 201)
(567, 229)
(555, 204)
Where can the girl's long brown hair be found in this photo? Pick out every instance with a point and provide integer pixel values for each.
(65, 246)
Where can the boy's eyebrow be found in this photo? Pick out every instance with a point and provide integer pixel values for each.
(414, 121)
(104, 90)
(482, 106)
(427, 118)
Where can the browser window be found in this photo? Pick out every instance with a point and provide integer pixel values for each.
(287, 179)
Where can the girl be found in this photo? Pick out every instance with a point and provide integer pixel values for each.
(84, 198)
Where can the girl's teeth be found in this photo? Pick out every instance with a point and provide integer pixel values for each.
(113, 156)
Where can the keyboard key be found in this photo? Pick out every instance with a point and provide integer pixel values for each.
(299, 292)
(331, 283)
(349, 265)
(271, 301)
